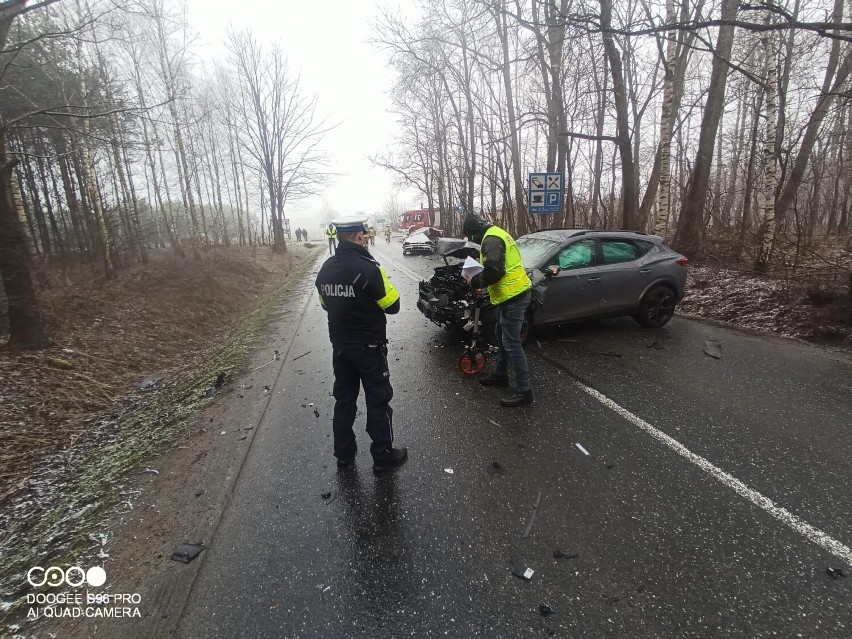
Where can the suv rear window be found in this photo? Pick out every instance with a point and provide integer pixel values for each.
(616, 251)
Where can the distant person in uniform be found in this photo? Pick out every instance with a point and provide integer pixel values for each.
(387, 234)
(298, 234)
(357, 294)
(304, 235)
(331, 234)
(371, 233)
(509, 291)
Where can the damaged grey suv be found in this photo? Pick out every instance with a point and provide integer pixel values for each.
(584, 274)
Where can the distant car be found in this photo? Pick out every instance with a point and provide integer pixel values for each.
(583, 274)
(421, 241)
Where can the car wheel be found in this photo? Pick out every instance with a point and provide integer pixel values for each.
(657, 307)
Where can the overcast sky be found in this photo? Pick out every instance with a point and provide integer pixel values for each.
(326, 42)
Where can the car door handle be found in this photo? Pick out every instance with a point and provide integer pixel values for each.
(594, 279)
(644, 271)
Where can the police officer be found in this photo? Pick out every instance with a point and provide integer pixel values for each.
(509, 290)
(356, 293)
(331, 234)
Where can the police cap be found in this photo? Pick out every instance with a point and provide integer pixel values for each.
(350, 224)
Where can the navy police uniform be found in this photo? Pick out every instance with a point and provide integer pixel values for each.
(356, 293)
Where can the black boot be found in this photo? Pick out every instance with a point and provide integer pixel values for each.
(494, 380)
(519, 398)
(391, 459)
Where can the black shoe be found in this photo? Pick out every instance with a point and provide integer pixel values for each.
(393, 458)
(517, 399)
(494, 380)
(345, 462)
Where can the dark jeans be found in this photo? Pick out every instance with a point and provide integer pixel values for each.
(354, 365)
(332, 244)
(510, 318)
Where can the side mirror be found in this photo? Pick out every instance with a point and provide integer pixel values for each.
(551, 270)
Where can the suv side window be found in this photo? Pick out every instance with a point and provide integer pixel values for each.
(577, 255)
(644, 246)
(617, 251)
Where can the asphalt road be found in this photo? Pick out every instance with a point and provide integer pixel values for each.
(689, 496)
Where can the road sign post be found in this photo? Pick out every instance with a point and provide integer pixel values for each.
(545, 193)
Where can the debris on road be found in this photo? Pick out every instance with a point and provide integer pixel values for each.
(316, 413)
(299, 357)
(544, 610)
(713, 348)
(522, 571)
(609, 465)
(565, 554)
(494, 468)
(654, 344)
(583, 450)
(609, 354)
(148, 382)
(185, 553)
(495, 423)
(835, 573)
(532, 516)
(325, 495)
(449, 471)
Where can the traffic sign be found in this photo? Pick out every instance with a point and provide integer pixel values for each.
(545, 193)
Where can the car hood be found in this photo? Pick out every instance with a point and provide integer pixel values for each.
(420, 239)
(455, 247)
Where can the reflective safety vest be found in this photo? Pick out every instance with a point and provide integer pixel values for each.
(331, 233)
(515, 280)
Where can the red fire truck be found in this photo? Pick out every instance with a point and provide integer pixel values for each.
(412, 220)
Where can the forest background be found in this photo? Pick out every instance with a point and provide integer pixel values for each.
(145, 189)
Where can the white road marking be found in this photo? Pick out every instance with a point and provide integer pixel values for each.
(405, 271)
(783, 515)
(580, 446)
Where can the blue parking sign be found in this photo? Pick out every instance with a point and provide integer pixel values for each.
(545, 193)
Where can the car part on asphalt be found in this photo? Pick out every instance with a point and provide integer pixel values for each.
(185, 553)
(521, 570)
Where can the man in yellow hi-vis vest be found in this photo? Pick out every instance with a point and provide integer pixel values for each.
(509, 290)
(357, 295)
(331, 234)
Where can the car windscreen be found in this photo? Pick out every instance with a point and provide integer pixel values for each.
(535, 250)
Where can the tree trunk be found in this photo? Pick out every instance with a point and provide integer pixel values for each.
(26, 322)
(666, 120)
(767, 228)
(629, 191)
(688, 235)
(520, 203)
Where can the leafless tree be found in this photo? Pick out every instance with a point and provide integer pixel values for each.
(281, 130)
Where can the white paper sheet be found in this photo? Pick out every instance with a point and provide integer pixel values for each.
(471, 267)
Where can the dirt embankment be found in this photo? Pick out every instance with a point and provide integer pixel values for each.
(133, 361)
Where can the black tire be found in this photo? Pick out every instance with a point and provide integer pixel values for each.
(657, 307)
